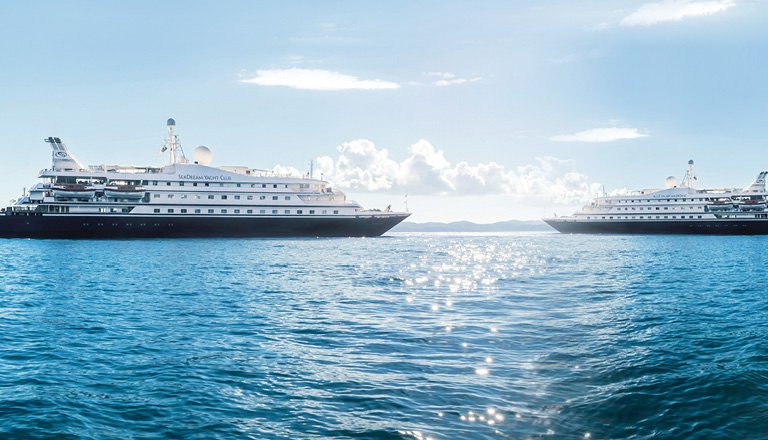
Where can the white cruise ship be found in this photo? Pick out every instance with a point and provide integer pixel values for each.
(183, 199)
(681, 209)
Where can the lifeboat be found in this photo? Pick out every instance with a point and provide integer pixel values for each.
(752, 205)
(124, 192)
(721, 205)
(73, 191)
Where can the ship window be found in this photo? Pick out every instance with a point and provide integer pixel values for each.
(210, 211)
(197, 211)
(335, 211)
(210, 196)
(181, 183)
(312, 211)
(237, 211)
(168, 183)
(699, 216)
(170, 211)
(263, 185)
(154, 182)
(197, 196)
(287, 197)
(286, 186)
(666, 208)
(250, 211)
(183, 211)
(183, 196)
(157, 196)
(287, 211)
(170, 196)
(223, 211)
(274, 197)
(237, 197)
(223, 197)
(666, 216)
(126, 209)
(262, 197)
(207, 184)
(157, 210)
(274, 185)
(250, 197)
(657, 208)
(238, 185)
(262, 211)
(274, 211)
(194, 183)
(325, 211)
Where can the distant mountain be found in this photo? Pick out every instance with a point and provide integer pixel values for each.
(506, 226)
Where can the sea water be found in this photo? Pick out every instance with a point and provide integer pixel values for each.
(408, 336)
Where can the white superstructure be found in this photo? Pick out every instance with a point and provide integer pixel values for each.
(182, 188)
(677, 203)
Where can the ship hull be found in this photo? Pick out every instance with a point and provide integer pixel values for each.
(702, 227)
(37, 225)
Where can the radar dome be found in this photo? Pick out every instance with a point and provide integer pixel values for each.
(671, 182)
(171, 122)
(690, 162)
(202, 155)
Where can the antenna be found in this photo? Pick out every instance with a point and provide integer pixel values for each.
(172, 144)
(690, 176)
(311, 169)
(406, 203)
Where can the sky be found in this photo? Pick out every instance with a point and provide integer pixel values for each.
(481, 111)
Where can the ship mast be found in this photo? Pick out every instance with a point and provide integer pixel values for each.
(172, 144)
(690, 176)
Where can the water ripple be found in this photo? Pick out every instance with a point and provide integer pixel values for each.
(409, 337)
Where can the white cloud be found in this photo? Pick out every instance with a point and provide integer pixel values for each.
(449, 79)
(674, 10)
(363, 167)
(316, 79)
(600, 135)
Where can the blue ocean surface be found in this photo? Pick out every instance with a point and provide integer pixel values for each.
(409, 336)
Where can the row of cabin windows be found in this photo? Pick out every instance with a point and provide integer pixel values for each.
(223, 197)
(235, 185)
(238, 211)
(665, 208)
(643, 217)
(669, 200)
(205, 184)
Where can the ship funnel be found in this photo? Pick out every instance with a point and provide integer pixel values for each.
(62, 159)
(759, 184)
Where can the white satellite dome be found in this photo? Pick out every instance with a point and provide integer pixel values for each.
(670, 182)
(202, 155)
